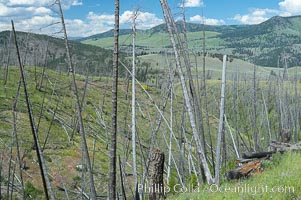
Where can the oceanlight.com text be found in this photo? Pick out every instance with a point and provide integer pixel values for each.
(214, 188)
(246, 188)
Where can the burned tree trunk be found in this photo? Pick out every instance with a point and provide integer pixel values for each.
(42, 163)
(258, 155)
(134, 107)
(113, 148)
(221, 123)
(156, 175)
(78, 107)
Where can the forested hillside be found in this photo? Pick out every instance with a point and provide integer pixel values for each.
(43, 50)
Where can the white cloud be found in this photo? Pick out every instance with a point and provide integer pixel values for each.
(77, 3)
(193, 3)
(144, 20)
(207, 21)
(6, 11)
(258, 15)
(103, 18)
(78, 27)
(66, 4)
(249, 19)
(291, 6)
(93, 24)
(20, 2)
(147, 20)
(35, 22)
(39, 16)
(104, 22)
(97, 23)
(40, 24)
(27, 2)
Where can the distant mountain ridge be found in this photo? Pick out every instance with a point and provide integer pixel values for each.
(266, 44)
(109, 33)
(264, 27)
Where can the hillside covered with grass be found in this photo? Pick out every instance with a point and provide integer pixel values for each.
(55, 116)
(263, 44)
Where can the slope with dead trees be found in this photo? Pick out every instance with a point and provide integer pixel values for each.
(82, 127)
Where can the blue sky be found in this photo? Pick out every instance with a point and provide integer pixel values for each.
(88, 17)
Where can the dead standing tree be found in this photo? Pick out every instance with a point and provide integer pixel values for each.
(7, 60)
(221, 123)
(255, 128)
(136, 196)
(113, 157)
(78, 107)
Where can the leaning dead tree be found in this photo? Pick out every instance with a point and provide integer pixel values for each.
(193, 91)
(42, 163)
(78, 108)
(204, 89)
(113, 148)
(188, 102)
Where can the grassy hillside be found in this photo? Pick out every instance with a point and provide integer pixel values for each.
(266, 44)
(155, 42)
(63, 146)
(62, 154)
(158, 67)
(62, 151)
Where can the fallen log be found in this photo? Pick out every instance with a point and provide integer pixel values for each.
(282, 146)
(244, 171)
(258, 155)
(250, 167)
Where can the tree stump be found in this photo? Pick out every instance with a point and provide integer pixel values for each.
(156, 168)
